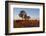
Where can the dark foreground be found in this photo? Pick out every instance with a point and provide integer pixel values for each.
(26, 23)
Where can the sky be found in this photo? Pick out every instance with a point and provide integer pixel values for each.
(32, 12)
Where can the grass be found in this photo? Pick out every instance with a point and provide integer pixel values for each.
(26, 23)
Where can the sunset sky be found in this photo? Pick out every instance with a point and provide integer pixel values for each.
(32, 12)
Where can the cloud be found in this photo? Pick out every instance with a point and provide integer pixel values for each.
(17, 17)
(34, 18)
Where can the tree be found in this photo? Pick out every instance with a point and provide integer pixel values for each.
(27, 17)
(22, 14)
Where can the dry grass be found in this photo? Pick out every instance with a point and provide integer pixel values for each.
(26, 23)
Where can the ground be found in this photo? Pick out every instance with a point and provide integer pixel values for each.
(26, 23)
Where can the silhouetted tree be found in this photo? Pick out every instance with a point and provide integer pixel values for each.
(27, 17)
(22, 14)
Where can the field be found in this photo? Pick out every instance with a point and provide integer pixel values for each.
(26, 23)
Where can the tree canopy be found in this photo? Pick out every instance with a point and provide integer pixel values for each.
(23, 15)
